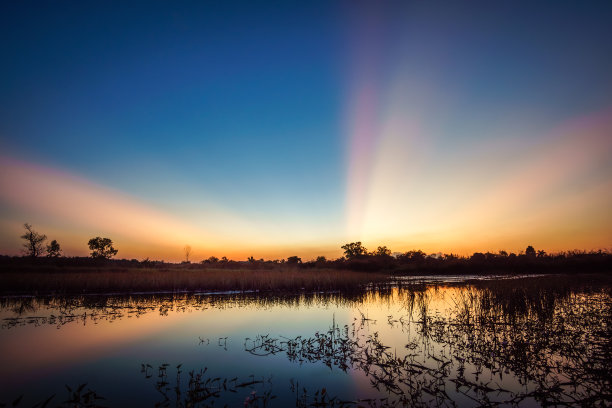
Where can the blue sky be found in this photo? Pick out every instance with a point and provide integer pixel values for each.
(208, 92)
(248, 107)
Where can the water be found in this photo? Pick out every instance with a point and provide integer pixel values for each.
(519, 342)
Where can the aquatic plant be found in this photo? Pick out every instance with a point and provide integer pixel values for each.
(500, 343)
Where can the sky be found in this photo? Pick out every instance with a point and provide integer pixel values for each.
(272, 129)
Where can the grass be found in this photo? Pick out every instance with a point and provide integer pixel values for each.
(44, 276)
(130, 280)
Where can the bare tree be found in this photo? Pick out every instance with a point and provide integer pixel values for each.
(34, 241)
(187, 250)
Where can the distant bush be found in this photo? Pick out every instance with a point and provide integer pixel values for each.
(102, 248)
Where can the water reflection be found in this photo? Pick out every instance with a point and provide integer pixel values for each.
(521, 342)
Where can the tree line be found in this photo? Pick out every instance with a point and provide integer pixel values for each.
(356, 257)
(101, 248)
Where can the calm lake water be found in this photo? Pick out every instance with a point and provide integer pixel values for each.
(519, 342)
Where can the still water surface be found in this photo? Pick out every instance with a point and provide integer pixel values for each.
(519, 342)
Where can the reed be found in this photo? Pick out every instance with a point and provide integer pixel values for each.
(550, 336)
(127, 280)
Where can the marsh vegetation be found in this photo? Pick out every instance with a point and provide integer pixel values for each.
(128, 280)
(512, 342)
(62, 275)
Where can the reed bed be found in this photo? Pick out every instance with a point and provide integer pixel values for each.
(101, 280)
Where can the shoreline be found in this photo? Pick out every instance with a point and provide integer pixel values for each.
(264, 284)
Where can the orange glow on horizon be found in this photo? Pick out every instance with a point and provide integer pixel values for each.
(554, 194)
(72, 210)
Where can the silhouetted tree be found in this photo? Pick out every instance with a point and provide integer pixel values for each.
(320, 261)
(530, 252)
(503, 253)
(224, 259)
(490, 256)
(353, 250)
(541, 254)
(34, 241)
(478, 257)
(53, 249)
(413, 256)
(212, 260)
(187, 250)
(102, 248)
(382, 251)
(294, 260)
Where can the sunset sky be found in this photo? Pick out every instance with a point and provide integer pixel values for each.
(289, 128)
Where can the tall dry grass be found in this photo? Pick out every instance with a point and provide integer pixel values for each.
(129, 280)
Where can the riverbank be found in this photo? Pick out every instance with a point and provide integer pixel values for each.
(127, 280)
(42, 276)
